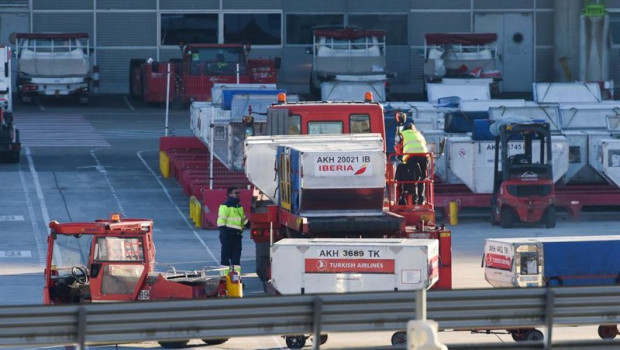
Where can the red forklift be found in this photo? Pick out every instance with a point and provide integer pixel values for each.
(523, 190)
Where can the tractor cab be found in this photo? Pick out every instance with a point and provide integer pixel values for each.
(98, 261)
(112, 260)
(523, 188)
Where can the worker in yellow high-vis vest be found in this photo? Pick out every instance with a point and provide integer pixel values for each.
(231, 220)
(412, 141)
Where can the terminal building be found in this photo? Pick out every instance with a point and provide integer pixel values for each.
(538, 40)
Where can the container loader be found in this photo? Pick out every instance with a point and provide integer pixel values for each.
(112, 260)
(331, 221)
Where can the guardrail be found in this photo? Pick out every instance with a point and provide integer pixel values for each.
(474, 309)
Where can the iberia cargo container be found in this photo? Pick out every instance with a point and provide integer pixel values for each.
(552, 261)
(304, 266)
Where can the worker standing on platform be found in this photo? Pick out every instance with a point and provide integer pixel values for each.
(231, 221)
(412, 141)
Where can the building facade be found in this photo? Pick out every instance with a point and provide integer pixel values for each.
(529, 32)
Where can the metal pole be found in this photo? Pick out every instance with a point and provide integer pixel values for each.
(81, 336)
(238, 73)
(420, 305)
(212, 126)
(167, 97)
(316, 323)
(549, 306)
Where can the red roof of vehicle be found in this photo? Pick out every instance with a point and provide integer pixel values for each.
(51, 35)
(348, 33)
(460, 38)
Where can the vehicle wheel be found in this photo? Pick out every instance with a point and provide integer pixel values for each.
(178, 344)
(608, 332)
(322, 339)
(534, 335)
(507, 219)
(493, 220)
(517, 335)
(215, 341)
(13, 157)
(549, 217)
(399, 338)
(295, 341)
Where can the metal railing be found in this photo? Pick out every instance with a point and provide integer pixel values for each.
(474, 309)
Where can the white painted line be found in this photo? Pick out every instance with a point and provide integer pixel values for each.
(100, 168)
(15, 254)
(35, 228)
(11, 218)
(128, 103)
(217, 261)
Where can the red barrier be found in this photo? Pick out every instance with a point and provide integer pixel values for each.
(167, 143)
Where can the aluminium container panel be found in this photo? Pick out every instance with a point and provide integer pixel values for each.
(308, 266)
(566, 92)
(610, 149)
(547, 113)
(586, 119)
(216, 90)
(436, 91)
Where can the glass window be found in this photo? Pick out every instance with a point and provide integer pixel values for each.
(119, 249)
(299, 27)
(217, 61)
(614, 27)
(120, 279)
(395, 25)
(189, 28)
(315, 128)
(294, 125)
(359, 123)
(257, 29)
(529, 264)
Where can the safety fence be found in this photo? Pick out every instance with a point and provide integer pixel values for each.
(474, 309)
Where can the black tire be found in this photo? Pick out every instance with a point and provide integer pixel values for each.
(399, 338)
(13, 157)
(607, 331)
(549, 217)
(215, 341)
(517, 335)
(322, 339)
(177, 344)
(295, 341)
(493, 221)
(507, 218)
(262, 261)
(534, 335)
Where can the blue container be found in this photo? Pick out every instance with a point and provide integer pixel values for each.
(582, 263)
(461, 122)
(481, 130)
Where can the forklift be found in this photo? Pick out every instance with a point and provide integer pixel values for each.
(523, 186)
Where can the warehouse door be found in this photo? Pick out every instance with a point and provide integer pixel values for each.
(515, 47)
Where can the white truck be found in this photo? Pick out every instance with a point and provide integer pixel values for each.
(6, 100)
(53, 64)
(348, 62)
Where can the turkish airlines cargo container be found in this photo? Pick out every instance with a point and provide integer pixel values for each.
(305, 266)
(552, 261)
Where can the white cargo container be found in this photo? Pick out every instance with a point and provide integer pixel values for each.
(260, 154)
(435, 91)
(307, 266)
(473, 161)
(566, 92)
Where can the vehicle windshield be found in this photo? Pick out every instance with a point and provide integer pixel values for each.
(71, 251)
(217, 61)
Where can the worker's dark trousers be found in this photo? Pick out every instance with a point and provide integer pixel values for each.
(419, 166)
(231, 246)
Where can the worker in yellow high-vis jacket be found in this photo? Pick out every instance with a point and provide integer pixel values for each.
(231, 220)
(412, 141)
